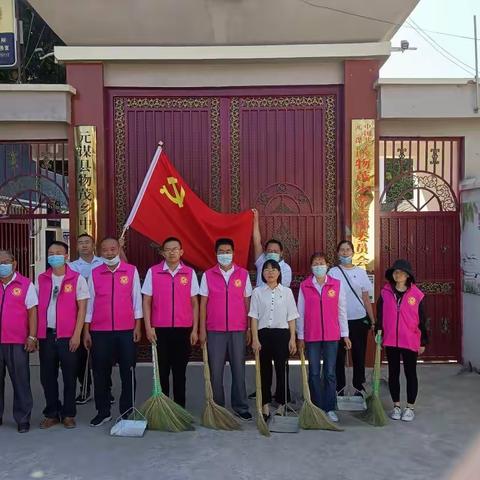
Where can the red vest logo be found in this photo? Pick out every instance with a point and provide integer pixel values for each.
(184, 280)
(412, 301)
(238, 283)
(331, 292)
(68, 288)
(16, 292)
(124, 280)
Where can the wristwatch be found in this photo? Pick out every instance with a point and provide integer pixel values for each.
(34, 339)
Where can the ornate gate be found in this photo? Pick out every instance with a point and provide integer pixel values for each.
(419, 221)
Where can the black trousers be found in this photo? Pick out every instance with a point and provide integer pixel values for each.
(173, 346)
(274, 343)
(104, 346)
(358, 333)
(409, 358)
(55, 353)
(14, 358)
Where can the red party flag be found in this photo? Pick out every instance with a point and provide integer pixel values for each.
(166, 206)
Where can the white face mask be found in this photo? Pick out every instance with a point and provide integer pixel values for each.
(224, 259)
(111, 262)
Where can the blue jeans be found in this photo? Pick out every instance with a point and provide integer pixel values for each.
(323, 390)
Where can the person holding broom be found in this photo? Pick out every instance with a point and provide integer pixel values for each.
(401, 317)
(112, 326)
(273, 313)
(322, 321)
(225, 292)
(170, 313)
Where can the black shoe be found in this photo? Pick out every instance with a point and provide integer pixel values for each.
(81, 400)
(246, 416)
(252, 395)
(266, 417)
(112, 399)
(100, 420)
(23, 427)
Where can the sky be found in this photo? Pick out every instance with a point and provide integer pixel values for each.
(449, 16)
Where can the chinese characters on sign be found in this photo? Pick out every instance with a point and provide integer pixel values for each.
(363, 188)
(8, 51)
(86, 169)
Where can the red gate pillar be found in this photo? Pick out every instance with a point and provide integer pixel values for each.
(88, 109)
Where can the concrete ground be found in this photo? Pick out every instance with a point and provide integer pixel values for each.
(447, 422)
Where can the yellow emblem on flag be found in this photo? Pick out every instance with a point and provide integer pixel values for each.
(178, 196)
(17, 292)
(124, 280)
(412, 301)
(183, 280)
(238, 283)
(331, 292)
(68, 288)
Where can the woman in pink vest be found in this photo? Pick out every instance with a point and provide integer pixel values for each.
(62, 303)
(322, 322)
(18, 338)
(170, 313)
(401, 318)
(224, 303)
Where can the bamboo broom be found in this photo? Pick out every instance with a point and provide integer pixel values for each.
(214, 416)
(160, 411)
(261, 424)
(311, 417)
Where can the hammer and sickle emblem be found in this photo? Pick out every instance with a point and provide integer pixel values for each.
(177, 196)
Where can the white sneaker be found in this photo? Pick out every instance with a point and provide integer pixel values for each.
(332, 416)
(408, 415)
(396, 413)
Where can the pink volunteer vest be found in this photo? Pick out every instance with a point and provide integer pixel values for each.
(113, 304)
(226, 310)
(321, 311)
(171, 299)
(13, 312)
(400, 323)
(66, 308)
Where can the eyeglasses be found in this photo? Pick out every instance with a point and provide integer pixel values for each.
(171, 250)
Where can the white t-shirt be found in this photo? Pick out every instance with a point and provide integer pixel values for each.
(284, 268)
(147, 288)
(273, 308)
(226, 275)
(360, 282)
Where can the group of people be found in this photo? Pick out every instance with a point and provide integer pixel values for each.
(95, 307)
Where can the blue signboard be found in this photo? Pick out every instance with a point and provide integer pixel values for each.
(8, 48)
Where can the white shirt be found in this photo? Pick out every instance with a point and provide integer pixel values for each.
(136, 296)
(82, 294)
(273, 308)
(342, 310)
(284, 268)
(31, 299)
(85, 268)
(226, 275)
(147, 283)
(360, 282)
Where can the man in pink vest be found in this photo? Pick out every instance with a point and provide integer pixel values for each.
(113, 326)
(18, 338)
(62, 304)
(170, 312)
(224, 304)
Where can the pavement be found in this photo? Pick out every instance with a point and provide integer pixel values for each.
(447, 423)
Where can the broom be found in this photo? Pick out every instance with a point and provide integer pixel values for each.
(214, 416)
(161, 412)
(375, 414)
(311, 417)
(261, 424)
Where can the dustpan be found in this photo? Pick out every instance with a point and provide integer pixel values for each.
(350, 401)
(287, 422)
(131, 423)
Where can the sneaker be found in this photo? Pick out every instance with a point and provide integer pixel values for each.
(81, 400)
(99, 420)
(49, 422)
(112, 399)
(396, 413)
(332, 416)
(252, 395)
(23, 427)
(246, 416)
(408, 415)
(280, 410)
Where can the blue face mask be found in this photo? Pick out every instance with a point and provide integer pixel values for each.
(345, 260)
(272, 256)
(224, 259)
(56, 261)
(319, 270)
(6, 269)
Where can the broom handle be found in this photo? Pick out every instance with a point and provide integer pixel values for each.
(206, 373)
(85, 376)
(157, 389)
(377, 366)
(258, 384)
(306, 389)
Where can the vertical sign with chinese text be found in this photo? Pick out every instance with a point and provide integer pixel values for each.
(8, 45)
(86, 170)
(363, 191)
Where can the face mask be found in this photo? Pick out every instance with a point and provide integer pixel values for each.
(224, 259)
(345, 260)
(111, 262)
(272, 256)
(6, 270)
(56, 261)
(319, 270)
